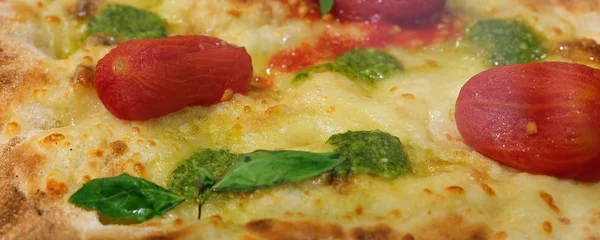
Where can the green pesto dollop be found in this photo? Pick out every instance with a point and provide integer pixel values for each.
(506, 41)
(200, 171)
(370, 152)
(125, 23)
(366, 65)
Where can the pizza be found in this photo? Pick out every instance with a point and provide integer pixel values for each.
(299, 119)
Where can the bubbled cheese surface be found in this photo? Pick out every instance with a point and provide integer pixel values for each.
(82, 141)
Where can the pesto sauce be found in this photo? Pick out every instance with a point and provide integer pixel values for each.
(125, 23)
(370, 152)
(366, 65)
(185, 179)
(506, 41)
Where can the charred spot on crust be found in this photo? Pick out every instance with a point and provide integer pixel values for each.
(380, 232)
(452, 226)
(277, 229)
(262, 225)
(11, 207)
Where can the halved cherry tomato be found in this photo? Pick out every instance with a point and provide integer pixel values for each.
(148, 78)
(542, 118)
(393, 11)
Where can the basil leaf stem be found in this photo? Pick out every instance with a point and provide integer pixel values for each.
(199, 172)
(125, 196)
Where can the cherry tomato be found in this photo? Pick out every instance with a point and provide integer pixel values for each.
(542, 118)
(148, 78)
(394, 11)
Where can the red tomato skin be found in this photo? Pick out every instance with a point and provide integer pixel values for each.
(393, 11)
(149, 78)
(562, 99)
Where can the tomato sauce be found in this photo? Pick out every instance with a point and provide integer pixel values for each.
(328, 46)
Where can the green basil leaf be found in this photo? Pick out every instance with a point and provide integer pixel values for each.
(263, 168)
(370, 152)
(196, 173)
(326, 6)
(125, 196)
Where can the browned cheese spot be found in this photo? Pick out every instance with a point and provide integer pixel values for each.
(52, 19)
(565, 220)
(358, 210)
(215, 220)
(487, 189)
(83, 76)
(86, 178)
(277, 229)
(427, 191)
(547, 226)
(408, 96)
(234, 13)
(557, 31)
(12, 128)
(117, 148)
(139, 168)
(178, 222)
(136, 130)
(396, 213)
(549, 200)
(53, 138)
(331, 109)
(380, 232)
(499, 235)
(97, 153)
(39, 94)
(54, 187)
(455, 190)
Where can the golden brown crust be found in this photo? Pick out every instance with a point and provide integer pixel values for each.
(20, 71)
(277, 229)
(450, 226)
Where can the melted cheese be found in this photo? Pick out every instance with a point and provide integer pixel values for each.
(82, 141)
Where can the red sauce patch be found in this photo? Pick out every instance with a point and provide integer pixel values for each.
(329, 46)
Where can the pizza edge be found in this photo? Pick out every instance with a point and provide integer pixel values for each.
(41, 215)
